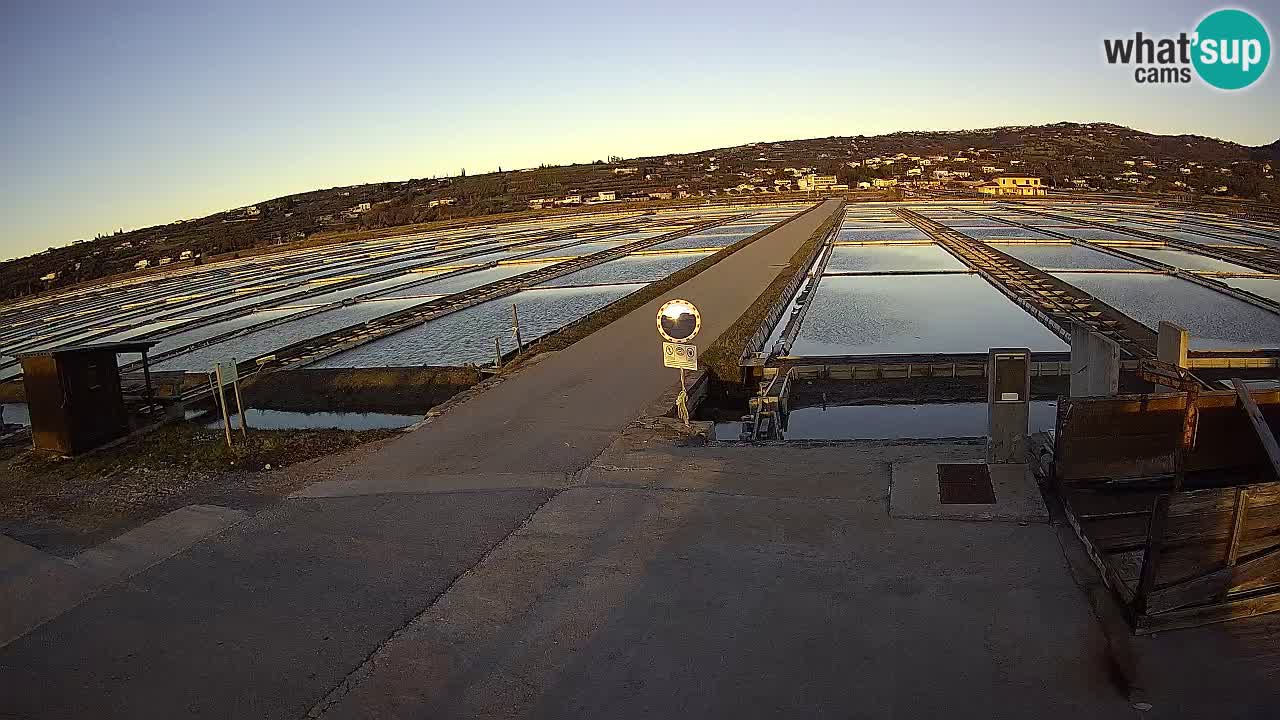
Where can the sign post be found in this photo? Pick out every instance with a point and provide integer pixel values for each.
(227, 373)
(678, 322)
(515, 328)
(222, 402)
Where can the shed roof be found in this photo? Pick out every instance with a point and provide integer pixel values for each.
(128, 346)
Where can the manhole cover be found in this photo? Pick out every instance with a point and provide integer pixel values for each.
(966, 484)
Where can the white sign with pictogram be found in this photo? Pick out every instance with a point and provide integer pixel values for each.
(676, 355)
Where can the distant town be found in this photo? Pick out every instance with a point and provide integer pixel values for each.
(1026, 161)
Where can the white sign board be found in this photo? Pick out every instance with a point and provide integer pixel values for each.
(675, 355)
(229, 373)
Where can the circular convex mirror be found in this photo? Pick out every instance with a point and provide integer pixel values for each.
(678, 321)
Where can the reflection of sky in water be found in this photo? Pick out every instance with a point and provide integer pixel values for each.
(467, 336)
(253, 344)
(872, 315)
(634, 268)
(289, 420)
(16, 414)
(891, 257)
(723, 239)
(182, 339)
(465, 281)
(881, 422)
(1188, 261)
(1067, 257)
(1216, 321)
(1265, 287)
(892, 233)
(1004, 232)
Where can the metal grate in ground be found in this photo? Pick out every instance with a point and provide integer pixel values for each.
(965, 484)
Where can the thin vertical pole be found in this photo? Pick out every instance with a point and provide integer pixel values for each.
(222, 403)
(244, 421)
(515, 325)
(1151, 555)
(213, 388)
(146, 376)
(497, 349)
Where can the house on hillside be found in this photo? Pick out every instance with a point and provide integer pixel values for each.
(1013, 185)
(818, 183)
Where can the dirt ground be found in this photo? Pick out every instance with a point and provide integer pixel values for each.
(63, 506)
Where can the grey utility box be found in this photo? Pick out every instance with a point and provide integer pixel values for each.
(1008, 404)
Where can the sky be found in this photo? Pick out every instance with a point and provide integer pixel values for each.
(129, 114)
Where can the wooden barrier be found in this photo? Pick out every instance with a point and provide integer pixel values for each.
(1207, 552)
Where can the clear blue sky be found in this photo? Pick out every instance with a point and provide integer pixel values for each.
(127, 114)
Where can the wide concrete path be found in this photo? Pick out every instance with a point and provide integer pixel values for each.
(266, 619)
(550, 420)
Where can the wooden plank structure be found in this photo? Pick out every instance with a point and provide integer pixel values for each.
(1176, 498)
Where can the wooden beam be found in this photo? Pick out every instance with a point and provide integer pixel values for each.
(1206, 614)
(1151, 556)
(1259, 423)
(1237, 530)
(1214, 584)
(1237, 525)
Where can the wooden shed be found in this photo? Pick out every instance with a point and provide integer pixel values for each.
(75, 397)
(1184, 527)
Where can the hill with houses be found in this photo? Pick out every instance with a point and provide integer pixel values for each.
(1079, 157)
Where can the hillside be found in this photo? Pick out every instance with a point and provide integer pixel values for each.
(1096, 156)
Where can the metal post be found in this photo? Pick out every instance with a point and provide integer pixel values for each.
(146, 376)
(682, 401)
(515, 327)
(222, 403)
(244, 421)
